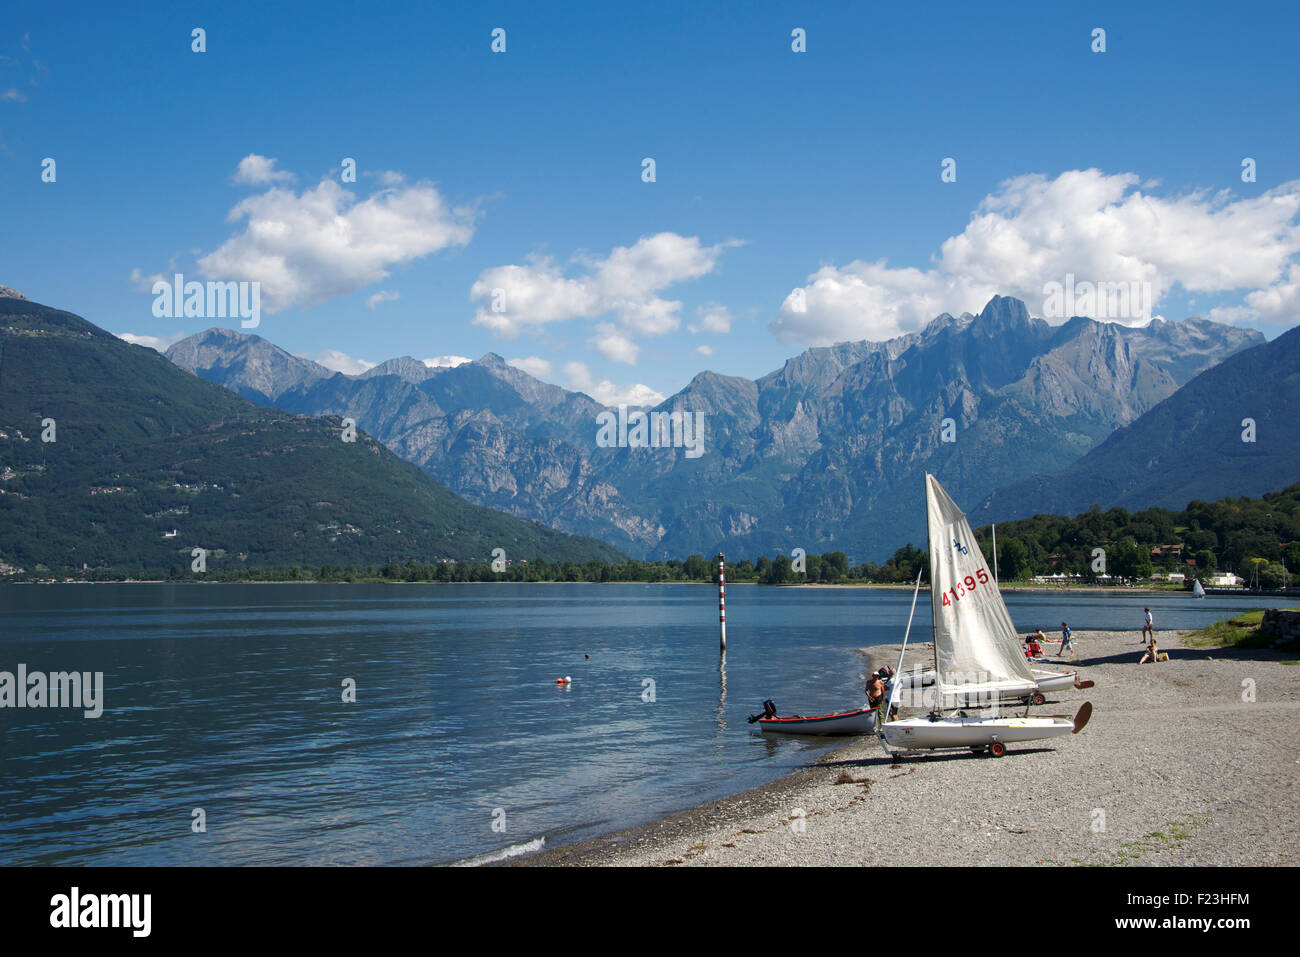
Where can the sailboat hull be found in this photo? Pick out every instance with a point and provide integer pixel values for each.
(923, 733)
(1055, 680)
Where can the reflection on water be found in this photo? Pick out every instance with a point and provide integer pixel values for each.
(721, 710)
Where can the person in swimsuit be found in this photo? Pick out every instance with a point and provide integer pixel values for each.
(1152, 651)
(875, 690)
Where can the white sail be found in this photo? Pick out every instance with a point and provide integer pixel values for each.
(1198, 590)
(977, 651)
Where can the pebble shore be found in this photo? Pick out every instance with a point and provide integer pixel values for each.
(1193, 761)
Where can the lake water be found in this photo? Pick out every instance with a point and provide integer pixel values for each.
(228, 698)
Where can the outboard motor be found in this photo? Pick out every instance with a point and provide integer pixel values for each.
(769, 711)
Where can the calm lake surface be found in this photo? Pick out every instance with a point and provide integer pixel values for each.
(229, 698)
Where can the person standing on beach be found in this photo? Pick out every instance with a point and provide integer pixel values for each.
(875, 690)
(1067, 640)
(1148, 629)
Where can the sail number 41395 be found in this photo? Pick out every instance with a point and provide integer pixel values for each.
(964, 588)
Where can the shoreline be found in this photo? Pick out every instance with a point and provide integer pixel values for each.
(885, 586)
(1175, 768)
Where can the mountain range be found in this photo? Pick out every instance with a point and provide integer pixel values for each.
(116, 460)
(1232, 430)
(826, 453)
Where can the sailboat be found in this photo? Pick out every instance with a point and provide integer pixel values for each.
(1198, 589)
(978, 656)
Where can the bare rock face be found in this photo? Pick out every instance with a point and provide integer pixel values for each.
(1229, 431)
(7, 293)
(827, 453)
(247, 365)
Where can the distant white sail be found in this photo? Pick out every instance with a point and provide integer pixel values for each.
(977, 649)
(1198, 590)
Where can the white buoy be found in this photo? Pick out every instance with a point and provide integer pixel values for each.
(722, 600)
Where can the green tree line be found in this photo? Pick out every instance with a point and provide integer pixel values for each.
(1259, 539)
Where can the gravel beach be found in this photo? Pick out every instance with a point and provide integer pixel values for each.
(1194, 761)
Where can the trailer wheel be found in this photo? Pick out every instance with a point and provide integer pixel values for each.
(997, 749)
(1038, 698)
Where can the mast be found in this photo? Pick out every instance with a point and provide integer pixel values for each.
(995, 555)
(897, 684)
(934, 615)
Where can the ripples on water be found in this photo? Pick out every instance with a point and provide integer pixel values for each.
(228, 698)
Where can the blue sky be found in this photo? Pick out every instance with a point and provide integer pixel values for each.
(521, 171)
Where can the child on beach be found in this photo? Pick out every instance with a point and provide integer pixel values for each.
(1066, 640)
(1148, 628)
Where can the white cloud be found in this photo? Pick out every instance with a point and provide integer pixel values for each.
(1034, 230)
(383, 295)
(157, 343)
(446, 362)
(341, 362)
(14, 95)
(613, 345)
(323, 243)
(625, 284)
(872, 301)
(578, 378)
(704, 350)
(388, 177)
(712, 318)
(535, 366)
(145, 283)
(1277, 303)
(255, 170)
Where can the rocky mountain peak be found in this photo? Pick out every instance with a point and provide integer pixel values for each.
(404, 367)
(1002, 313)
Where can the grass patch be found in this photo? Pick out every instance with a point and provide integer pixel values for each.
(1179, 831)
(1174, 833)
(1239, 632)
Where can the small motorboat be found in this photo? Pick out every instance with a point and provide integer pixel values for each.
(862, 721)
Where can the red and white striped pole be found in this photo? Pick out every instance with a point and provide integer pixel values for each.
(722, 599)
